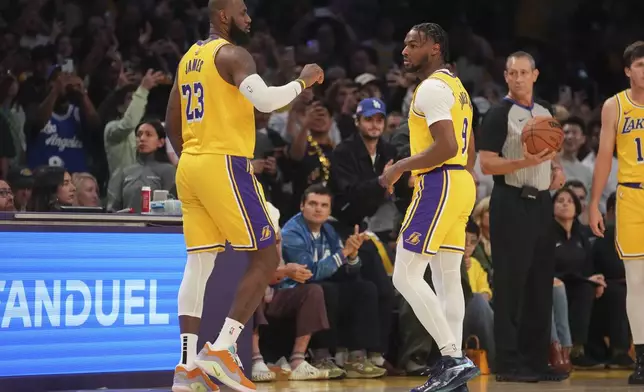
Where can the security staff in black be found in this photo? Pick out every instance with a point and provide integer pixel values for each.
(520, 222)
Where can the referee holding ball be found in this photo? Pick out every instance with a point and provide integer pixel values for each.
(521, 217)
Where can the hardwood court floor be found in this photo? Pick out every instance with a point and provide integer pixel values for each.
(595, 381)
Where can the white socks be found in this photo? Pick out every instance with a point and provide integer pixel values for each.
(191, 296)
(409, 270)
(188, 349)
(193, 285)
(635, 298)
(229, 334)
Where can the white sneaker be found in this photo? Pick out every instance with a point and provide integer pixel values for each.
(306, 371)
(261, 373)
(281, 369)
(284, 365)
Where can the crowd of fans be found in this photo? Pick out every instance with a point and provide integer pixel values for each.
(84, 84)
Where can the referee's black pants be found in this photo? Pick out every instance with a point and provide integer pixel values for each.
(523, 258)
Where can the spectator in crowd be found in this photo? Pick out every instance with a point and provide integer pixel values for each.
(21, 181)
(52, 189)
(152, 169)
(574, 138)
(574, 267)
(483, 250)
(342, 98)
(6, 198)
(304, 302)
(352, 306)
(560, 339)
(581, 192)
(61, 124)
(269, 148)
(592, 141)
(356, 164)
(129, 104)
(12, 119)
(609, 312)
(311, 150)
(479, 316)
(86, 190)
(394, 120)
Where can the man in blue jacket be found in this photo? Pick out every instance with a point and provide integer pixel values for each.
(352, 306)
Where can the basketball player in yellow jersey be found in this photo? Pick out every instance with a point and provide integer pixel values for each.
(210, 122)
(433, 231)
(623, 125)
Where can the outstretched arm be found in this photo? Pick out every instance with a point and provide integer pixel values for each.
(238, 68)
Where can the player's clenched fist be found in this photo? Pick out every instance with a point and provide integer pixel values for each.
(311, 74)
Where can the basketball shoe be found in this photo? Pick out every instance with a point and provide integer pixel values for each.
(194, 380)
(225, 366)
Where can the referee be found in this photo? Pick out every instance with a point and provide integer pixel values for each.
(520, 228)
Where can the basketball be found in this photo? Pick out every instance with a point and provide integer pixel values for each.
(542, 132)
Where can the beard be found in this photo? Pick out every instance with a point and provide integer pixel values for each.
(238, 36)
(367, 136)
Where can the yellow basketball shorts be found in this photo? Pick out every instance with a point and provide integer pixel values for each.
(629, 225)
(436, 218)
(222, 201)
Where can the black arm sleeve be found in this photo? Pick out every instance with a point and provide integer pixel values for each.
(494, 129)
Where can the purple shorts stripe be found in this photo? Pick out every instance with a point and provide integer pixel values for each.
(414, 205)
(425, 214)
(259, 191)
(255, 213)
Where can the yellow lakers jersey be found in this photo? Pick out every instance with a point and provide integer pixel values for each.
(420, 137)
(215, 117)
(629, 139)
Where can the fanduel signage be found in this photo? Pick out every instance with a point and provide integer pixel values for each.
(56, 303)
(89, 302)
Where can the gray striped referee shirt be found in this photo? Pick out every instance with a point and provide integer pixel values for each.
(501, 133)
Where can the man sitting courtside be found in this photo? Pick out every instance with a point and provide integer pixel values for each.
(352, 306)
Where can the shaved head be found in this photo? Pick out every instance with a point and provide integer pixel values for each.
(217, 5)
(229, 18)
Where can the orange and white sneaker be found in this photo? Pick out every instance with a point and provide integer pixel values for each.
(225, 366)
(194, 380)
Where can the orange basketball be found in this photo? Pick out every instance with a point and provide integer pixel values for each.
(542, 132)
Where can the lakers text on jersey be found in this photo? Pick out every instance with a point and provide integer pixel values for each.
(221, 199)
(443, 196)
(630, 176)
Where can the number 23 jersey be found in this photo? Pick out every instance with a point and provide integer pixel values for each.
(449, 101)
(215, 117)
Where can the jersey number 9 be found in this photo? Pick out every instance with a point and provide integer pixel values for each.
(193, 92)
(464, 136)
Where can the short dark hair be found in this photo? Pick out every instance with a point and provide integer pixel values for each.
(576, 184)
(437, 34)
(521, 54)
(317, 189)
(575, 121)
(472, 227)
(633, 52)
(610, 202)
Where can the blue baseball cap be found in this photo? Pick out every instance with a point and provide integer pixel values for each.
(369, 107)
